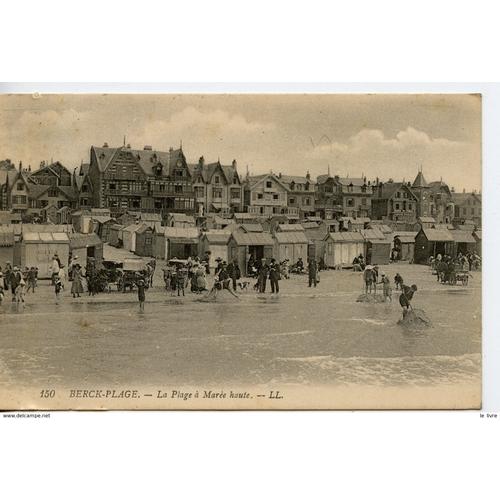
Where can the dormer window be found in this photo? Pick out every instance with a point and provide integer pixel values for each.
(217, 179)
(292, 185)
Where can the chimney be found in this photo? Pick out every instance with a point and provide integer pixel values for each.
(105, 145)
(148, 148)
(20, 166)
(308, 176)
(201, 162)
(279, 175)
(234, 164)
(128, 145)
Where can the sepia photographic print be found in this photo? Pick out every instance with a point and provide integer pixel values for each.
(240, 251)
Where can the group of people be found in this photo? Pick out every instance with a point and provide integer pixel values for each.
(371, 280)
(19, 282)
(445, 266)
(177, 276)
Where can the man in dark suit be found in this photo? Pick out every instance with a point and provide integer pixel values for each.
(274, 276)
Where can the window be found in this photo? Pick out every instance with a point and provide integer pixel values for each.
(53, 193)
(216, 192)
(259, 196)
(20, 186)
(276, 196)
(397, 206)
(363, 201)
(178, 188)
(199, 192)
(162, 187)
(291, 201)
(217, 179)
(472, 210)
(350, 202)
(410, 206)
(308, 201)
(136, 203)
(112, 186)
(85, 188)
(235, 193)
(84, 202)
(269, 184)
(398, 195)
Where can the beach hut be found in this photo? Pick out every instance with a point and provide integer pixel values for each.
(430, 242)
(144, 240)
(6, 245)
(214, 243)
(38, 248)
(290, 245)
(242, 245)
(377, 246)
(404, 244)
(115, 236)
(180, 220)
(478, 236)
(464, 242)
(341, 248)
(129, 236)
(86, 246)
(101, 225)
(170, 242)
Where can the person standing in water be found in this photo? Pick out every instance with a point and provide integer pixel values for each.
(141, 293)
(406, 296)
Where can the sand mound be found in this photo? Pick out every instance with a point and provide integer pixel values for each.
(415, 318)
(370, 298)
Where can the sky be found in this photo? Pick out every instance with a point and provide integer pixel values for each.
(376, 135)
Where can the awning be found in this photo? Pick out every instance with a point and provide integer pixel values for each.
(219, 206)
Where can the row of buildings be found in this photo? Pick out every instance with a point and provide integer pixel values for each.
(124, 179)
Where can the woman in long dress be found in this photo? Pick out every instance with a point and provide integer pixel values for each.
(76, 286)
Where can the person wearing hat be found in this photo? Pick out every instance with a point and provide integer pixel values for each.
(54, 267)
(274, 276)
(6, 276)
(369, 279)
(141, 293)
(76, 286)
(15, 279)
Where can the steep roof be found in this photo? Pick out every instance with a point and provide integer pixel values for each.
(347, 181)
(146, 159)
(322, 178)
(419, 181)
(389, 189)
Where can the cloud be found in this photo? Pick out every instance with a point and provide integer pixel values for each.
(370, 152)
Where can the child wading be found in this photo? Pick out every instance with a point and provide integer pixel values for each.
(406, 296)
(141, 293)
(386, 287)
(58, 288)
